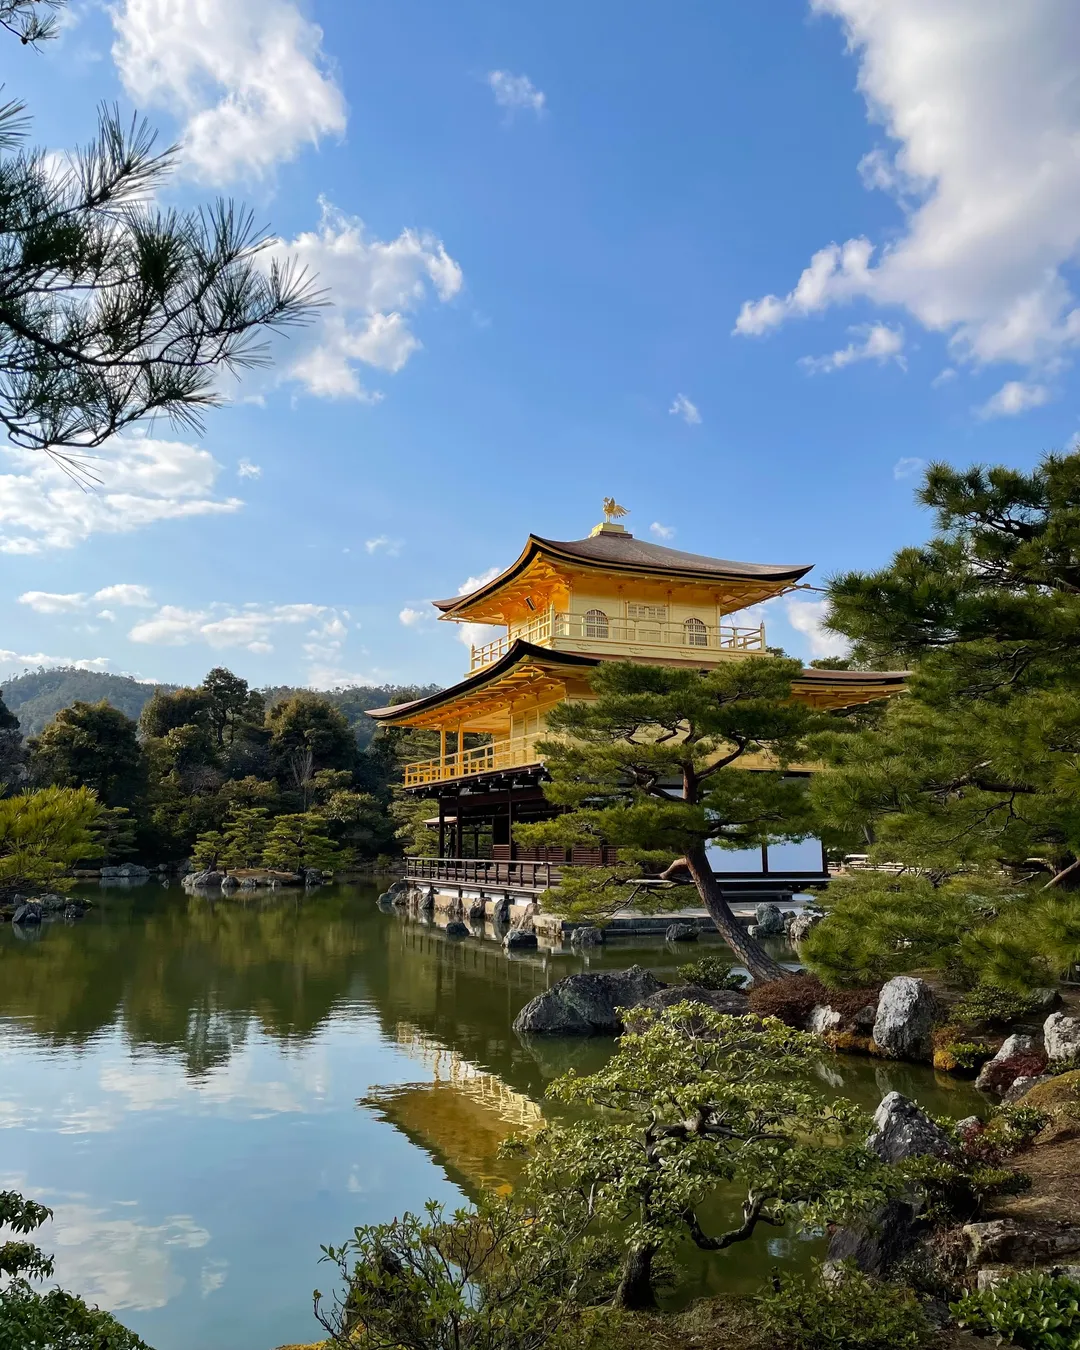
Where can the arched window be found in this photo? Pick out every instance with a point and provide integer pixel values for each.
(596, 624)
(697, 635)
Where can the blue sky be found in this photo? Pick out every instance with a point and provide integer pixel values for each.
(742, 266)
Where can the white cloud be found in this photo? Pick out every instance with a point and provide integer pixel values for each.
(374, 286)
(977, 98)
(1012, 398)
(476, 634)
(412, 617)
(247, 77)
(516, 91)
(382, 543)
(808, 617)
(50, 602)
(13, 662)
(471, 584)
(218, 625)
(878, 343)
(943, 377)
(246, 469)
(662, 531)
(682, 407)
(908, 466)
(138, 597)
(143, 481)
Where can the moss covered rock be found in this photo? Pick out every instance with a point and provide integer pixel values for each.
(1057, 1092)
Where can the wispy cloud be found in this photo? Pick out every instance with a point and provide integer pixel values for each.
(1012, 398)
(411, 618)
(875, 342)
(246, 469)
(516, 92)
(662, 531)
(682, 407)
(908, 466)
(53, 602)
(12, 662)
(383, 544)
(249, 626)
(808, 617)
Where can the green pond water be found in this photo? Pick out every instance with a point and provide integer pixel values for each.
(205, 1091)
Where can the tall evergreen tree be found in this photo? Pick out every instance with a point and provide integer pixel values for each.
(91, 745)
(659, 764)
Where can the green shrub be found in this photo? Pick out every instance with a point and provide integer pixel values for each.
(990, 1005)
(711, 972)
(1037, 1312)
(852, 1312)
(957, 1192)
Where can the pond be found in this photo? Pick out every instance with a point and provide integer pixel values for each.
(206, 1091)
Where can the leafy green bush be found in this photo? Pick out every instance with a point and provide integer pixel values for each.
(957, 1192)
(711, 972)
(851, 1312)
(55, 1319)
(1037, 1312)
(991, 1005)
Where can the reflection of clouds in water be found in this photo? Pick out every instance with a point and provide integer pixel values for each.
(14, 1115)
(212, 1276)
(155, 1084)
(117, 1262)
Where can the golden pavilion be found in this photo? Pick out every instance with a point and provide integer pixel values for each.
(565, 606)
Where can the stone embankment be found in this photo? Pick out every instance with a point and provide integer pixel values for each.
(30, 912)
(249, 879)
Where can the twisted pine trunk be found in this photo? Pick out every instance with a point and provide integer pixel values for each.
(750, 952)
(635, 1291)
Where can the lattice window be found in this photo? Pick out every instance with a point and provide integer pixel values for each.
(697, 635)
(646, 612)
(596, 624)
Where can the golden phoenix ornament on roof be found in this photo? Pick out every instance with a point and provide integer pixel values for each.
(612, 509)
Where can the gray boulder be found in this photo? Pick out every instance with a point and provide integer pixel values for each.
(1006, 1242)
(1022, 1085)
(74, 911)
(733, 1002)
(801, 925)
(132, 872)
(52, 903)
(477, 912)
(209, 879)
(587, 1004)
(877, 1245)
(904, 1130)
(681, 932)
(823, 1018)
(587, 936)
(27, 914)
(1020, 1043)
(1062, 1037)
(906, 1013)
(457, 930)
(519, 940)
(770, 922)
(230, 883)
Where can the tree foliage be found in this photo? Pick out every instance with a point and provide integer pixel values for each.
(656, 764)
(43, 835)
(692, 1100)
(90, 745)
(968, 784)
(31, 1319)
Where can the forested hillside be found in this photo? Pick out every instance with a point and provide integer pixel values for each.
(37, 697)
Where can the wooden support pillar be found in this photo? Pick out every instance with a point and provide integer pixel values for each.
(765, 858)
(457, 831)
(442, 753)
(510, 820)
(442, 824)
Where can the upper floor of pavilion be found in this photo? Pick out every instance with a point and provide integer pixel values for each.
(616, 597)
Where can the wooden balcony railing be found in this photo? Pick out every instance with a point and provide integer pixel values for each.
(510, 753)
(690, 637)
(537, 876)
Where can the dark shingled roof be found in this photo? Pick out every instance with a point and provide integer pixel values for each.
(623, 550)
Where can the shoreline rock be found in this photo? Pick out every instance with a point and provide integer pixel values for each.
(586, 1004)
(906, 1013)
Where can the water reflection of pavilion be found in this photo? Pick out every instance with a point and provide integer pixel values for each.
(460, 1117)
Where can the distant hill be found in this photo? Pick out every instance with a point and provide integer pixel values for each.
(37, 697)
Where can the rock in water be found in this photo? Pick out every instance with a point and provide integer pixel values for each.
(904, 1130)
(770, 922)
(587, 936)
(519, 939)
(457, 930)
(823, 1018)
(801, 925)
(586, 1004)
(681, 932)
(906, 1013)
(1062, 1037)
(203, 880)
(29, 913)
(733, 1002)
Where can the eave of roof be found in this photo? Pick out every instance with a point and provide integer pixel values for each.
(625, 553)
(522, 651)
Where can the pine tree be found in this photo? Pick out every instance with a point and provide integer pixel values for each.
(299, 841)
(653, 765)
(43, 835)
(245, 837)
(969, 783)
